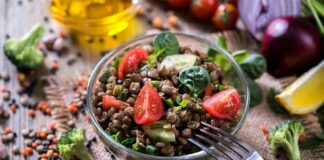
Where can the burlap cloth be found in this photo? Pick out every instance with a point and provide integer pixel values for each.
(249, 132)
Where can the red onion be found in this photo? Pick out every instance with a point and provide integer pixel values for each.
(257, 14)
(291, 46)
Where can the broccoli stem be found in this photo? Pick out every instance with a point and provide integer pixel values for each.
(292, 147)
(32, 37)
(83, 153)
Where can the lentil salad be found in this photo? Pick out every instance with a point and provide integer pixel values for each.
(153, 97)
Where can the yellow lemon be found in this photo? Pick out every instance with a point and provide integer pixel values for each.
(306, 94)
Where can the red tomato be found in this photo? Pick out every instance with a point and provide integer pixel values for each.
(181, 4)
(208, 90)
(111, 101)
(204, 9)
(130, 61)
(148, 106)
(225, 17)
(223, 104)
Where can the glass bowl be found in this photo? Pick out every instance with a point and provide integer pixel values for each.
(236, 79)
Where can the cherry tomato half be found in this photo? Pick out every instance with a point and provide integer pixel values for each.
(225, 17)
(204, 9)
(111, 101)
(181, 4)
(223, 104)
(130, 61)
(148, 106)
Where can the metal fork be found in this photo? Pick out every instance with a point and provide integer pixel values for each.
(222, 145)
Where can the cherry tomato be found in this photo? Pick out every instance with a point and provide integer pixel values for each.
(223, 104)
(130, 61)
(225, 17)
(181, 4)
(204, 9)
(148, 106)
(208, 90)
(111, 101)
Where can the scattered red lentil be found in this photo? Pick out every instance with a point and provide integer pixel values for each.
(51, 126)
(55, 155)
(31, 112)
(48, 111)
(24, 153)
(34, 145)
(55, 140)
(13, 108)
(40, 46)
(43, 134)
(4, 89)
(55, 65)
(87, 117)
(8, 130)
(42, 105)
(73, 108)
(44, 155)
(52, 147)
(302, 137)
(29, 150)
(266, 136)
(263, 128)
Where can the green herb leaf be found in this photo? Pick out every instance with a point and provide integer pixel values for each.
(184, 103)
(221, 42)
(127, 142)
(254, 65)
(116, 61)
(273, 103)
(169, 102)
(240, 55)
(193, 99)
(155, 83)
(118, 137)
(312, 141)
(256, 94)
(195, 78)
(151, 150)
(222, 61)
(137, 148)
(164, 44)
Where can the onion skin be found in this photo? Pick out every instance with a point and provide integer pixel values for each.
(291, 46)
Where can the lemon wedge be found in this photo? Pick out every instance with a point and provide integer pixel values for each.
(306, 94)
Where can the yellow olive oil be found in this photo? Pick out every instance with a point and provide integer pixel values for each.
(104, 23)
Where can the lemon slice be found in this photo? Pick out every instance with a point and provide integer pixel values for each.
(306, 94)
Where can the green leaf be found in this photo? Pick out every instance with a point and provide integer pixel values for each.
(273, 103)
(118, 137)
(184, 103)
(223, 62)
(164, 44)
(240, 55)
(151, 150)
(127, 142)
(137, 148)
(256, 95)
(169, 102)
(254, 65)
(116, 61)
(195, 78)
(221, 42)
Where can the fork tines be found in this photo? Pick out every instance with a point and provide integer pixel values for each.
(220, 144)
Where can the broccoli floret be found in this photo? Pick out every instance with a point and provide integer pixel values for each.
(285, 136)
(22, 51)
(71, 145)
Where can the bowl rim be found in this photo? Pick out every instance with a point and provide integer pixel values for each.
(199, 154)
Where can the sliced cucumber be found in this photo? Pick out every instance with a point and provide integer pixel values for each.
(179, 61)
(156, 132)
